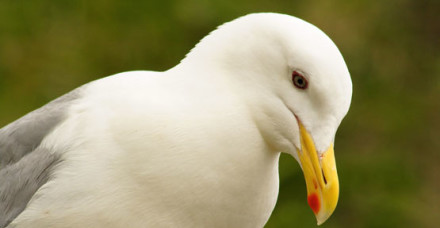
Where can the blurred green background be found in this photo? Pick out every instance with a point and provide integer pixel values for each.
(387, 148)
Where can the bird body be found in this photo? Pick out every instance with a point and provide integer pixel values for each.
(195, 146)
(143, 161)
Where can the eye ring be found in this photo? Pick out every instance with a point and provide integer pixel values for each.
(299, 81)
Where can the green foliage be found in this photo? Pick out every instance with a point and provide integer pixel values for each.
(387, 148)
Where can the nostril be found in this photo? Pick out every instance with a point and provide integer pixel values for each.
(323, 176)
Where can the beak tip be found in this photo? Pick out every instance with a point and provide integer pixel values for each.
(319, 222)
(322, 217)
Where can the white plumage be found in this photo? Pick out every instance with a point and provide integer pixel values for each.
(197, 145)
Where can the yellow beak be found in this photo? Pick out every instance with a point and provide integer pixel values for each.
(320, 175)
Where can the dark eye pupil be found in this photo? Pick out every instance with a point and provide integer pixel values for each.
(299, 81)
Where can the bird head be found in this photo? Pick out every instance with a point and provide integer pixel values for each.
(298, 87)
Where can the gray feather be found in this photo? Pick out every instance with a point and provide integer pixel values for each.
(25, 134)
(24, 165)
(21, 180)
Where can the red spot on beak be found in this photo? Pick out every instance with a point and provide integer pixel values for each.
(314, 203)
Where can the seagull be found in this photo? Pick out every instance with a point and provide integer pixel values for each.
(197, 145)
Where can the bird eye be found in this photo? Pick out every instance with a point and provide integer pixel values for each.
(299, 81)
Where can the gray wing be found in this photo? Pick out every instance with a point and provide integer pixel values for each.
(24, 165)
